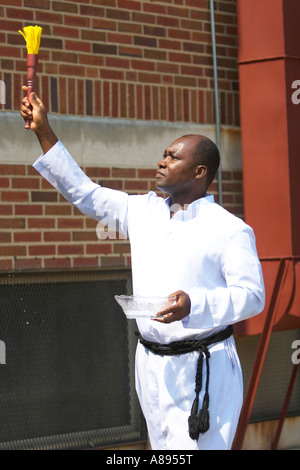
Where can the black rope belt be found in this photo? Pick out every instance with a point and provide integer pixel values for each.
(198, 422)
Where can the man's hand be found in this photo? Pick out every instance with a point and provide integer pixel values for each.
(36, 112)
(180, 309)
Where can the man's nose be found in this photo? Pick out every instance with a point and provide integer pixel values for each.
(163, 162)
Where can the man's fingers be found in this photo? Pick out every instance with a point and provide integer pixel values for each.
(34, 100)
(166, 311)
(177, 311)
(25, 111)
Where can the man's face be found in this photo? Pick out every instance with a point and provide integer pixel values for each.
(176, 171)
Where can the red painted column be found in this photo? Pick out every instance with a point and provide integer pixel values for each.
(269, 64)
(269, 68)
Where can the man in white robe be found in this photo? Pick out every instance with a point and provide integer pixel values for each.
(186, 246)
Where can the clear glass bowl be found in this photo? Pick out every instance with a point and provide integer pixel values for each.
(143, 307)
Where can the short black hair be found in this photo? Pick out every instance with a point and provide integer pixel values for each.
(206, 153)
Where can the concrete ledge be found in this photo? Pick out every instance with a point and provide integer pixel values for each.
(111, 142)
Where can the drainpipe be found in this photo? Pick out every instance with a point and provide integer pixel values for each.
(213, 33)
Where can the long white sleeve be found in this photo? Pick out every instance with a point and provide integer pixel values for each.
(241, 297)
(103, 204)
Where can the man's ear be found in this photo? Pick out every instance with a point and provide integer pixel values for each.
(200, 171)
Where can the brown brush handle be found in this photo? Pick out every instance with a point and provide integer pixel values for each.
(32, 62)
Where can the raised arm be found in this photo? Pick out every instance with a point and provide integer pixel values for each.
(57, 166)
(36, 112)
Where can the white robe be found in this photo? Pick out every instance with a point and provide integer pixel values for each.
(204, 251)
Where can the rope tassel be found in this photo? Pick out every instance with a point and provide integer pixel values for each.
(199, 423)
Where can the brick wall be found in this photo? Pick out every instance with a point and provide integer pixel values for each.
(115, 59)
(39, 229)
(124, 58)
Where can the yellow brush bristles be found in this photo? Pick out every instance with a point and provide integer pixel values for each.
(32, 36)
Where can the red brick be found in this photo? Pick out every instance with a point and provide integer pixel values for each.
(124, 172)
(145, 77)
(43, 196)
(116, 13)
(179, 34)
(57, 263)
(145, 41)
(64, 6)
(168, 21)
(6, 209)
(12, 250)
(177, 11)
(70, 249)
(27, 264)
(47, 17)
(4, 182)
(69, 223)
(111, 74)
(84, 236)
(91, 223)
(119, 38)
(26, 209)
(92, 35)
(57, 236)
(14, 196)
(97, 172)
(76, 20)
(86, 262)
(114, 184)
(41, 223)
(44, 4)
(16, 3)
(19, 13)
(130, 28)
(27, 237)
(8, 25)
(131, 51)
(112, 261)
(6, 265)
(5, 237)
(65, 31)
(26, 183)
(74, 70)
(136, 185)
(98, 248)
(143, 65)
(12, 222)
(80, 97)
(143, 18)
(42, 250)
(130, 4)
(154, 8)
(12, 169)
(104, 24)
(61, 209)
(117, 62)
(91, 11)
(121, 248)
